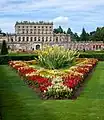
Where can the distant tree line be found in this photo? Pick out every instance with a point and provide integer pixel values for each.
(97, 35)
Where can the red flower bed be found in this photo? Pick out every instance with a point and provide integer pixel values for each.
(26, 70)
(55, 85)
(41, 81)
(71, 81)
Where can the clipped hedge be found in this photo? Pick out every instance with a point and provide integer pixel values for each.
(5, 58)
(99, 56)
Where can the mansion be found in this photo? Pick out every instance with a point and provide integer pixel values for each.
(34, 35)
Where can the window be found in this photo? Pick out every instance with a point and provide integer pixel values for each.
(38, 32)
(42, 39)
(50, 26)
(34, 26)
(56, 39)
(27, 31)
(31, 39)
(37, 47)
(38, 26)
(50, 38)
(34, 32)
(46, 38)
(34, 38)
(19, 39)
(27, 38)
(27, 26)
(23, 38)
(23, 31)
(22, 26)
(11, 39)
(39, 39)
(30, 30)
(46, 26)
(42, 26)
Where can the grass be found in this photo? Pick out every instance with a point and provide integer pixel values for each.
(18, 102)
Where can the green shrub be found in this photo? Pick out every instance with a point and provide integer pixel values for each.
(5, 58)
(4, 49)
(99, 56)
(56, 57)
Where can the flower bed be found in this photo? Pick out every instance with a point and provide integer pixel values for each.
(55, 84)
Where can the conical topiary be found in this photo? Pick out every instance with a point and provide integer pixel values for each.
(4, 49)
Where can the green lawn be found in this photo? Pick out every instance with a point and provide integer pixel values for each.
(18, 102)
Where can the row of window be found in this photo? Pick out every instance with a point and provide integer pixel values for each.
(34, 29)
(24, 39)
(34, 32)
(35, 26)
(34, 39)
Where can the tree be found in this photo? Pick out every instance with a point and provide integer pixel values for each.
(55, 31)
(97, 35)
(71, 34)
(69, 31)
(84, 36)
(0, 31)
(64, 32)
(4, 49)
(58, 30)
(76, 37)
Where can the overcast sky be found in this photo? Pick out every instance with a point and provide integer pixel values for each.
(75, 14)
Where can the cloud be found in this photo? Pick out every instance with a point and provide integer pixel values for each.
(60, 20)
(66, 5)
(67, 13)
(16, 1)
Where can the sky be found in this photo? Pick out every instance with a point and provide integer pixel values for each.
(75, 14)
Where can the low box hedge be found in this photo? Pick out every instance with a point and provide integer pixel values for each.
(99, 56)
(5, 58)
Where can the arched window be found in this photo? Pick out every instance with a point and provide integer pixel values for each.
(46, 38)
(27, 39)
(39, 39)
(23, 38)
(31, 39)
(42, 39)
(50, 38)
(37, 47)
(34, 38)
(99, 46)
(19, 39)
(56, 39)
(11, 39)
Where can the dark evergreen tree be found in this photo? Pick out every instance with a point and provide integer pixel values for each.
(97, 35)
(0, 31)
(4, 49)
(64, 32)
(69, 31)
(76, 37)
(60, 29)
(55, 31)
(84, 35)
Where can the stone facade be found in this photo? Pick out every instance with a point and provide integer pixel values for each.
(89, 45)
(34, 35)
